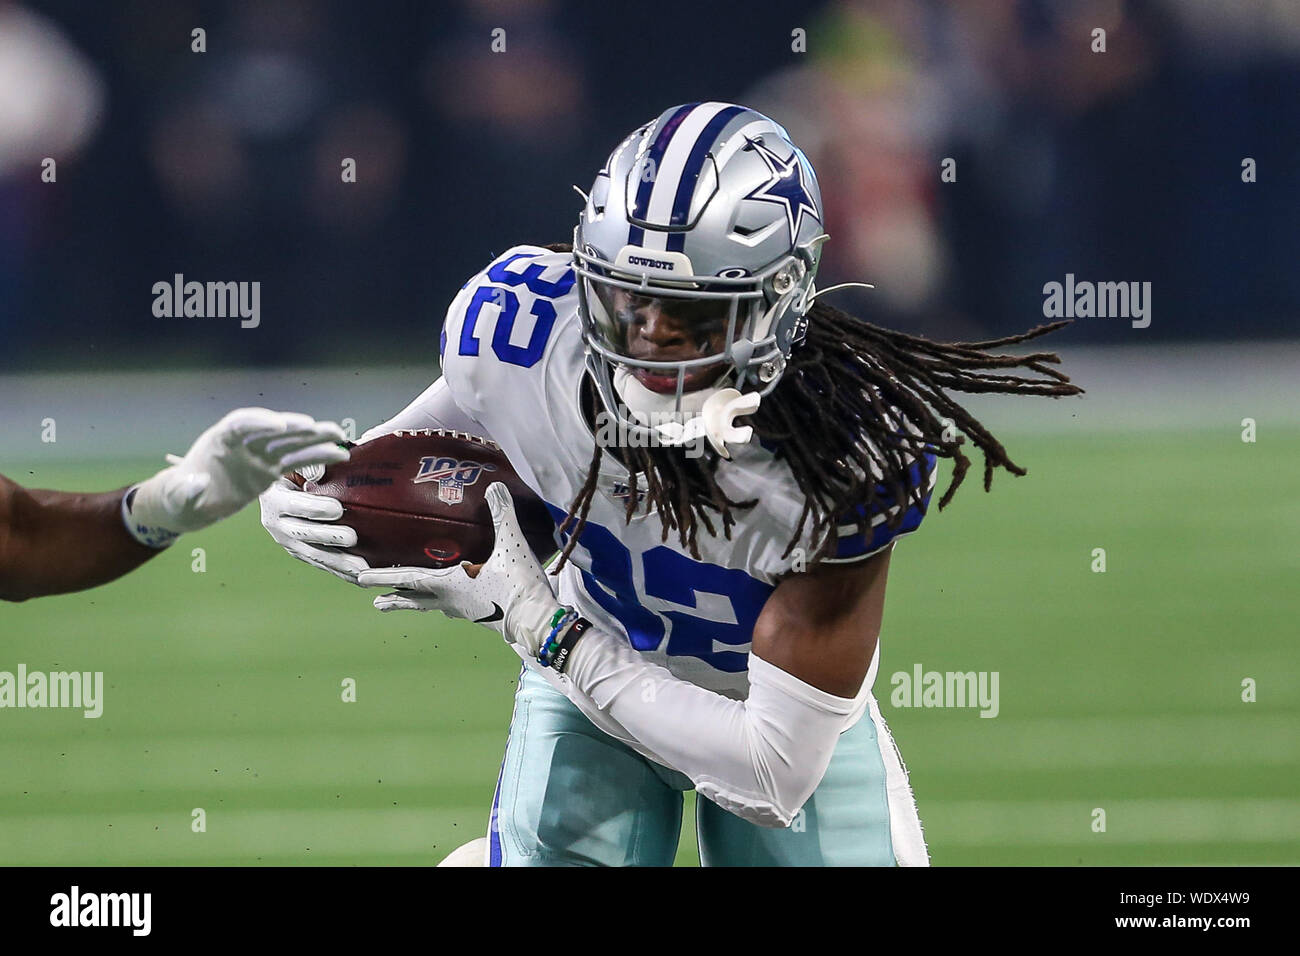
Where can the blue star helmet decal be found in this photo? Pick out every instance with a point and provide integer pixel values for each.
(788, 186)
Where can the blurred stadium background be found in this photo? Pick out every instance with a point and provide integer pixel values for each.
(1119, 691)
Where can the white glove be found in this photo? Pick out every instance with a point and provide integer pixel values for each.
(225, 469)
(510, 593)
(296, 520)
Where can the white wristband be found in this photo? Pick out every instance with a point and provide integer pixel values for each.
(151, 536)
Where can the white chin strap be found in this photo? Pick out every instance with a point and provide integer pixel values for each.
(707, 412)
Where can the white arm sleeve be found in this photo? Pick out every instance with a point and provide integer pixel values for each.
(432, 408)
(759, 758)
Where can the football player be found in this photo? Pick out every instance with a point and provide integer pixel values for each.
(52, 542)
(712, 621)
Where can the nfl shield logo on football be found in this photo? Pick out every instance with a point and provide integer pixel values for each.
(452, 475)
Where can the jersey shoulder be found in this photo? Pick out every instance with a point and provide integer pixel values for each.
(762, 534)
(502, 329)
(870, 528)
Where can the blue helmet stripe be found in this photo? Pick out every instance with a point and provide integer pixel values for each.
(635, 234)
(691, 174)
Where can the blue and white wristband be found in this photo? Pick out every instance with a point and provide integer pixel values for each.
(150, 537)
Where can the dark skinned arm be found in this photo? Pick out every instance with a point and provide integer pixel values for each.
(821, 626)
(52, 542)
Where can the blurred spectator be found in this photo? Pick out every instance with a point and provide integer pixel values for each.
(51, 101)
(505, 131)
(226, 165)
(1117, 165)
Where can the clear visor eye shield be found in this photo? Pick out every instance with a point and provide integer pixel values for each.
(731, 332)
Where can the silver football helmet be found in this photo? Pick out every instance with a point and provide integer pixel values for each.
(707, 221)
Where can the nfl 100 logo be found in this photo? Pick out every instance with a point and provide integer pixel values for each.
(452, 475)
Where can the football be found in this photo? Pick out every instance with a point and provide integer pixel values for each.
(416, 499)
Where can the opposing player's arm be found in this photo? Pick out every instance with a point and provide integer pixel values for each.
(52, 542)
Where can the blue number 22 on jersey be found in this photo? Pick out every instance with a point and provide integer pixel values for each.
(719, 633)
(542, 311)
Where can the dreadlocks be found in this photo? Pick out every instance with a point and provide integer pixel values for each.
(855, 410)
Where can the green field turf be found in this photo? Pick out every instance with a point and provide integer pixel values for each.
(1119, 691)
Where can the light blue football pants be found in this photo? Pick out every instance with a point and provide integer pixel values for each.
(570, 795)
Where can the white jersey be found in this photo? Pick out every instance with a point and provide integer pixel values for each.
(513, 362)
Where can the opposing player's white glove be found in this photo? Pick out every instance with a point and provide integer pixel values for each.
(225, 469)
(510, 593)
(297, 520)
